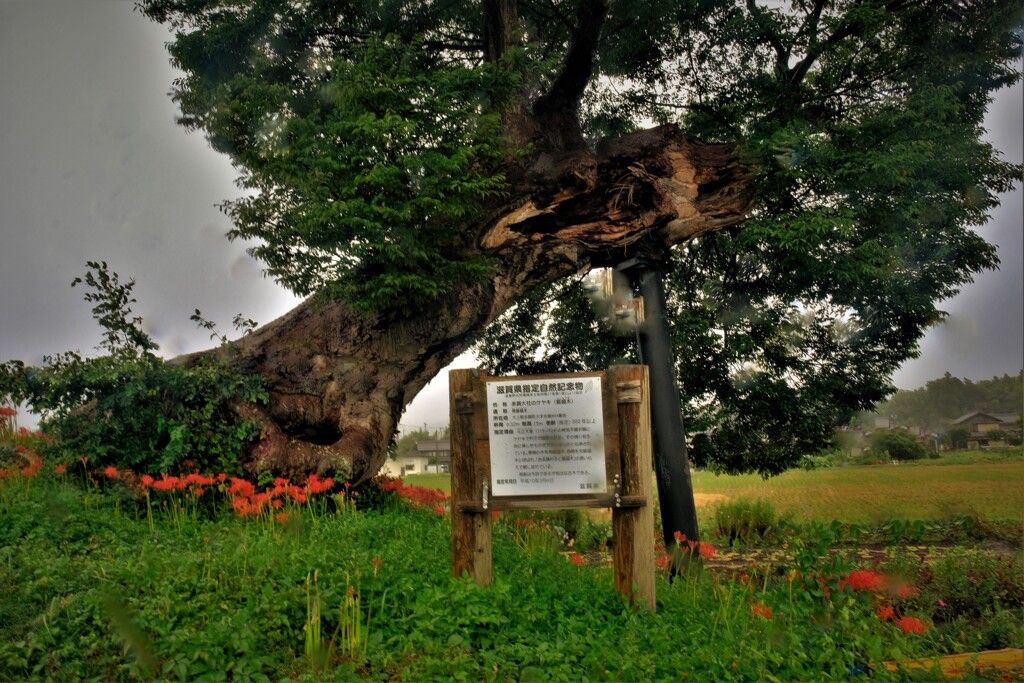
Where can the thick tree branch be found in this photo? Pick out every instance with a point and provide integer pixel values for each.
(500, 19)
(557, 111)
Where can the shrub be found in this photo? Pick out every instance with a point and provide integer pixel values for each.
(898, 445)
(129, 408)
(957, 437)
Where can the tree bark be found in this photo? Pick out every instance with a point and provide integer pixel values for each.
(339, 380)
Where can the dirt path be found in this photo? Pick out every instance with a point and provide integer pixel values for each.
(866, 556)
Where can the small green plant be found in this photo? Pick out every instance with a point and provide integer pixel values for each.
(743, 521)
(533, 532)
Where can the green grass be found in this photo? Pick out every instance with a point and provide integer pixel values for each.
(430, 481)
(95, 588)
(872, 494)
(93, 592)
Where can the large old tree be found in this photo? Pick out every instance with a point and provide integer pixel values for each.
(418, 168)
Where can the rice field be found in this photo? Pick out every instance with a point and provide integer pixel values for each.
(867, 494)
(875, 493)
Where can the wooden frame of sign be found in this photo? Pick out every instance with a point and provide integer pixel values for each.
(545, 442)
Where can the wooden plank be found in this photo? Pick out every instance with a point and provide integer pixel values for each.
(633, 528)
(524, 503)
(471, 531)
(1008, 660)
(609, 403)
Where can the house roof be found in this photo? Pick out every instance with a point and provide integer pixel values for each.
(1008, 418)
(432, 446)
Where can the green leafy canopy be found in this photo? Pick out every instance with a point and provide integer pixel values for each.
(370, 138)
(873, 170)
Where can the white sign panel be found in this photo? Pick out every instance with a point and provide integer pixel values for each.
(547, 436)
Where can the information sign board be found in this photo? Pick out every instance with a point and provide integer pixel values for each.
(546, 435)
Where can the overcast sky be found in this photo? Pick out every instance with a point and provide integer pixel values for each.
(93, 167)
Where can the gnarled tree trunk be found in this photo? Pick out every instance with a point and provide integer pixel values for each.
(339, 380)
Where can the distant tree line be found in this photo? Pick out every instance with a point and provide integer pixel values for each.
(948, 397)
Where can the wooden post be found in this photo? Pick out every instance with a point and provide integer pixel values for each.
(633, 528)
(471, 530)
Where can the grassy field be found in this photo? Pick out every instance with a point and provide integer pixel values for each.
(877, 493)
(870, 494)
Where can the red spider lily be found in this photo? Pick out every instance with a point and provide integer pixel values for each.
(440, 510)
(281, 517)
(912, 625)
(33, 467)
(244, 507)
(84, 460)
(706, 550)
(297, 494)
(760, 610)
(60, 469)
(198, 491)
(905, 591)
(386, 484)
(242, 487)
(166, 483)
(578, 559)
(376, 562)
(421, 496)
(146, 480)
(6, 411)
(199, 480)
(350, 592)
(886, 613)
(280, 481)
(863, 580)
(315, 484)
(111, 472)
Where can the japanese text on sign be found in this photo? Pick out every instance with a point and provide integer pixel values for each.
(546, 436)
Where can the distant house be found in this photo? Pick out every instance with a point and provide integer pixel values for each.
(433, 455)
(980, 425)
(438, 452)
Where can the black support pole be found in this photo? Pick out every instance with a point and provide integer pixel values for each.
(672, 467)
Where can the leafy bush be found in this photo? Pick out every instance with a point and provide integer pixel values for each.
(823, 459)
(957, 437)
(129, 408)
(743, 520)
(898, 446)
